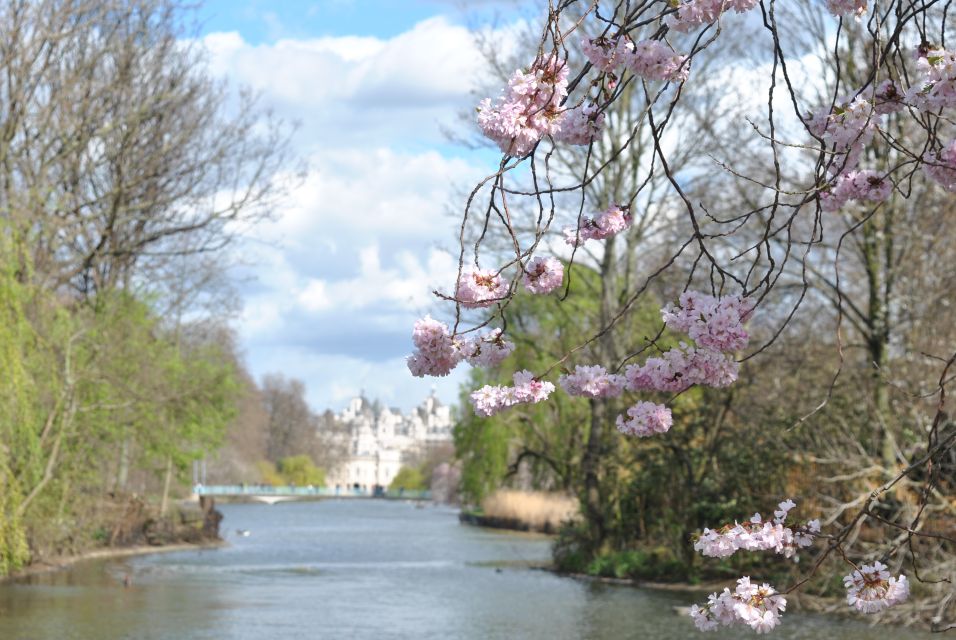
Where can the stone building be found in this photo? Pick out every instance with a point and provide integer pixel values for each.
(381, 439)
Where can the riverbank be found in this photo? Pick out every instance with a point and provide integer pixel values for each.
(51, 565)
(187, 527)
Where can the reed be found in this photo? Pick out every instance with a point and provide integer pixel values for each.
(539, 510)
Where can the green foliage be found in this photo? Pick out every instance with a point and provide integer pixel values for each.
(293, 470)
(410, 479)
(89, 392)
(301, 471)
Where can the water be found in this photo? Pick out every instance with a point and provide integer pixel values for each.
(355, 569)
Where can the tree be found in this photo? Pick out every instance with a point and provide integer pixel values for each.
(734, 238)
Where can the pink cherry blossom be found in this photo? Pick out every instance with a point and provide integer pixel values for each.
(680, 368)
(529, 110)
(866, 185)
(645, 419)
(758, 535)
(491, 399)
(941, 167)
(481, 288)
(716, 323)
(691, 14)
(935, 86)
(607, 54)
(613, 220)
(870, 588)
(488, 350)
(654, 60)
(543, 275)
(846, 130)
(855, 8)
(758, 607)
(436, 352)
(592, 382)
(579, 125)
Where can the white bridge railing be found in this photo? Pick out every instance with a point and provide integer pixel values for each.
(308, 491)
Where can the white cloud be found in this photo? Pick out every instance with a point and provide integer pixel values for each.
(353, 253)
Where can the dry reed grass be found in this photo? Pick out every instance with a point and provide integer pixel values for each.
(539, 510)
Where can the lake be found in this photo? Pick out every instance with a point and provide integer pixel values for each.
(356, 569)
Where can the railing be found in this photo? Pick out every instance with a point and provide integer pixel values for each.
(305, 492)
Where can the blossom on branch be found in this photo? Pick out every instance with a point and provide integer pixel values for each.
(529, 110)
(856, 8)
(543, 275)
(645, 419)
(481, 288)
(941, 167)
(654, 60)
(870, 588)
(711, 322)
(758, 607)
(580, 125)
(691, 14)
(592, 382)
(615, 219)
(488, 350)
(436, 352)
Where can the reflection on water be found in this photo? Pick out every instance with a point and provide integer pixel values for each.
(354, 569)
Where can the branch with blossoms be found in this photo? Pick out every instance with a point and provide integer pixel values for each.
(817, 168)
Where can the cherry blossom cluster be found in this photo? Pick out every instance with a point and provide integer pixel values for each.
(529, 110)
(935, 88)
(543, 275)
(691, 14)
(681, 367)
(615, 219)
(855, 8)
(846, 130)
(592, 382)
(871, 589)
(437, 352)
(654, 60)
(491, 399)
(580, 125)
(758, 535)
(941, 167)
(758, 607)
(607, 54)
(651, 59)
(645, 419)
(488, 350)
(711, 322)
(481, 288)
(865, 185)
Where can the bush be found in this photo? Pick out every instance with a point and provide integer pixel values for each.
(408, 478)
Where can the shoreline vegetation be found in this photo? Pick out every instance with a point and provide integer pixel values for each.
(190, 525)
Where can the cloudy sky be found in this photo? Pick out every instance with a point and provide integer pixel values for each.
(339, 277)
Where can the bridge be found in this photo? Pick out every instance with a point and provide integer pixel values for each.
(272, 495)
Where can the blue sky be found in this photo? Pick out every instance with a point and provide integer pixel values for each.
(332, 285)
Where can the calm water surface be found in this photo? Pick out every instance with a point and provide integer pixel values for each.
(359, 569)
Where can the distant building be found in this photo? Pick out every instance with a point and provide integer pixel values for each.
(381, 439)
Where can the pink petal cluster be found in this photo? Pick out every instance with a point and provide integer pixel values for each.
(691, 14)
(847, 7)
(654, 60)
(888, 98)
(870, 588)
(481, 288)
(488, 350)
(607, 54)
(543, 275)
(529, 110)
(681, 367)
(592, 382)
(580, 125)
(759, 608)
(935, 88)
(941, 167)
(491, 399)
(846, 130)
(716, 323)
(757, 535)
(612, 221)
(866, 185)
(645, 419)
(436, 352)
